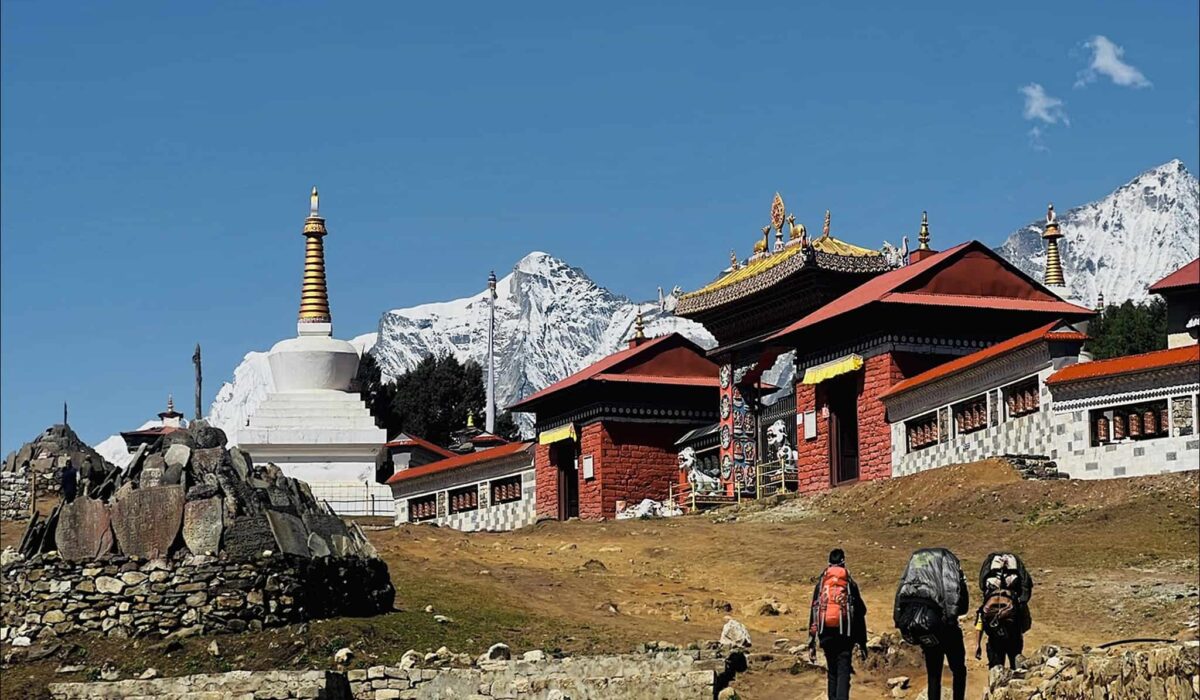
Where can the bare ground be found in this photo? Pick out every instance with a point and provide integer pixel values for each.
(1111, 560)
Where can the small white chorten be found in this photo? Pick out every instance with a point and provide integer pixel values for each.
(311, 425)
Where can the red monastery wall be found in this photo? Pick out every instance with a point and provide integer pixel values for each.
(546, 475)
(874, 435)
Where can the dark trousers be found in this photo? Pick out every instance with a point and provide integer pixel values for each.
(838, 664)
(951, 650)
(1006, 648)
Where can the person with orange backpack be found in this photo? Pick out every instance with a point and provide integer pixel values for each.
(838, 622)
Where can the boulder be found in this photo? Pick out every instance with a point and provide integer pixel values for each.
(206, 436)
(735, 635)
(177, 456)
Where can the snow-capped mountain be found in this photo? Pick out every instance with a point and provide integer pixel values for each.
(1121, 244)
(551, 321)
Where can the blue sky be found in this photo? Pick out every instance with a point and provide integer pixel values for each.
(156, 157)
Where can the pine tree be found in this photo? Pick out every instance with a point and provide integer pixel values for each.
(1128, 329)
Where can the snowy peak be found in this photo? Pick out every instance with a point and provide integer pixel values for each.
(1120, 245)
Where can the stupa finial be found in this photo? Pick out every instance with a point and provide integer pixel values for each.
(825, 228)
(314, 297)
(923, 236)
(1054, 270)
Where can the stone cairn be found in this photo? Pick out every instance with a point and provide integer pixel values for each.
(1170, 671)
(190, 534)
(40, 462)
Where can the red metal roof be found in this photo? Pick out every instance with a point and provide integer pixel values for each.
(656, 379)
(156, 430)
(884, 288)
(959, 364)
(1129, 364)
(1186, 276)
(600, 367)
(406, 440)
(460, 461)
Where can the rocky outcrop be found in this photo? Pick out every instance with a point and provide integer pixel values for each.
(1166, 671)
(40, 461)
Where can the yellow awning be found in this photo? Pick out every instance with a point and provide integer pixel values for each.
(831, 369)
(563, 432)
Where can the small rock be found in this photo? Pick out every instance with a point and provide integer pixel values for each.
(410, 659)
(70, 669)
(568, 546)
(734, 634)
(214, 649)
(898, 681)
(728, 694)
(21, 641)
(594, 565)
(343, 656)
(148, 674)
(428, 608)
(108, 672)
(781, 643)
(498, 652)
(442, 619)
(534, 656)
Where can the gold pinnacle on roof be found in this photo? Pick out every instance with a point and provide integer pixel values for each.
(1054, 271)
(923, 236)
(639, 329)
(825, 229)
(314, 298)
(170, 403)
(733, 260)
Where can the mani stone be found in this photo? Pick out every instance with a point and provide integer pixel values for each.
(152, 471)
(317, 545)
(247, 536)
(206, 436)
(84, 530)
(203, 522)
(177, 456)
(343, 546)
(241, 462)
(147, 520)
(290, 534)
(207, 460)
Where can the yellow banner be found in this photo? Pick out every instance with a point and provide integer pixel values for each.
(831, 369)
(564, 432)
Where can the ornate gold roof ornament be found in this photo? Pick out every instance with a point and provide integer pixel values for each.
(1054, 270)
(314, 298)
(778, 211)
(796, 232)
(760, 246)
(825, 228)
(923, 236)
(639, 328)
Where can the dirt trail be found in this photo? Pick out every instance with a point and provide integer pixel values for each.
(1110, 559)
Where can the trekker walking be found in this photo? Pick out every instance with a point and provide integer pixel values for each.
(1004, 616)
(929, 600)
(838, 622)
(69, 479)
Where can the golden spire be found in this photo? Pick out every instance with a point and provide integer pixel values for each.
(923, 236)
(825, 229)
(639, 329)
(1054, 271)
(314, 299)
(733, 260)
(170, 403)
(470, 420)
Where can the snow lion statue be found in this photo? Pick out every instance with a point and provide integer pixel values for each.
(700, 482)
(777, 439)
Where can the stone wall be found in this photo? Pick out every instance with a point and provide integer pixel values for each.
(124, 597)
(278, 685)
(664, 676)
(14, 495)
(1165, 672)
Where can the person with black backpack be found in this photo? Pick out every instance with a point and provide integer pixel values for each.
(838, 622)
(929, 600)
(1004, 616)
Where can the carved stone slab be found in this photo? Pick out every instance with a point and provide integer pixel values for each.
(247, 536)
(290, 534)
(317, 545)
(325, 525)
(84, 530)
(146, 521)
(203, 523)
(343, 546)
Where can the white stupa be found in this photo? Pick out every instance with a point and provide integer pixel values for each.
(311, 425)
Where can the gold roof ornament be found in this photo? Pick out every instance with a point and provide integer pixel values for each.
(170, 403)
(314, 297)
(923, 236)
(778, 211)
(470, 419)
(639, 328)
(825, 228)
(1054, 270)
(733, 260)
(760, 247)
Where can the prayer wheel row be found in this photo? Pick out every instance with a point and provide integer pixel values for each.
(922, 435)
(971, 417)
(1132, 424)
(422, 510)
(464, 501)
(1023, 401)
(510, 491)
